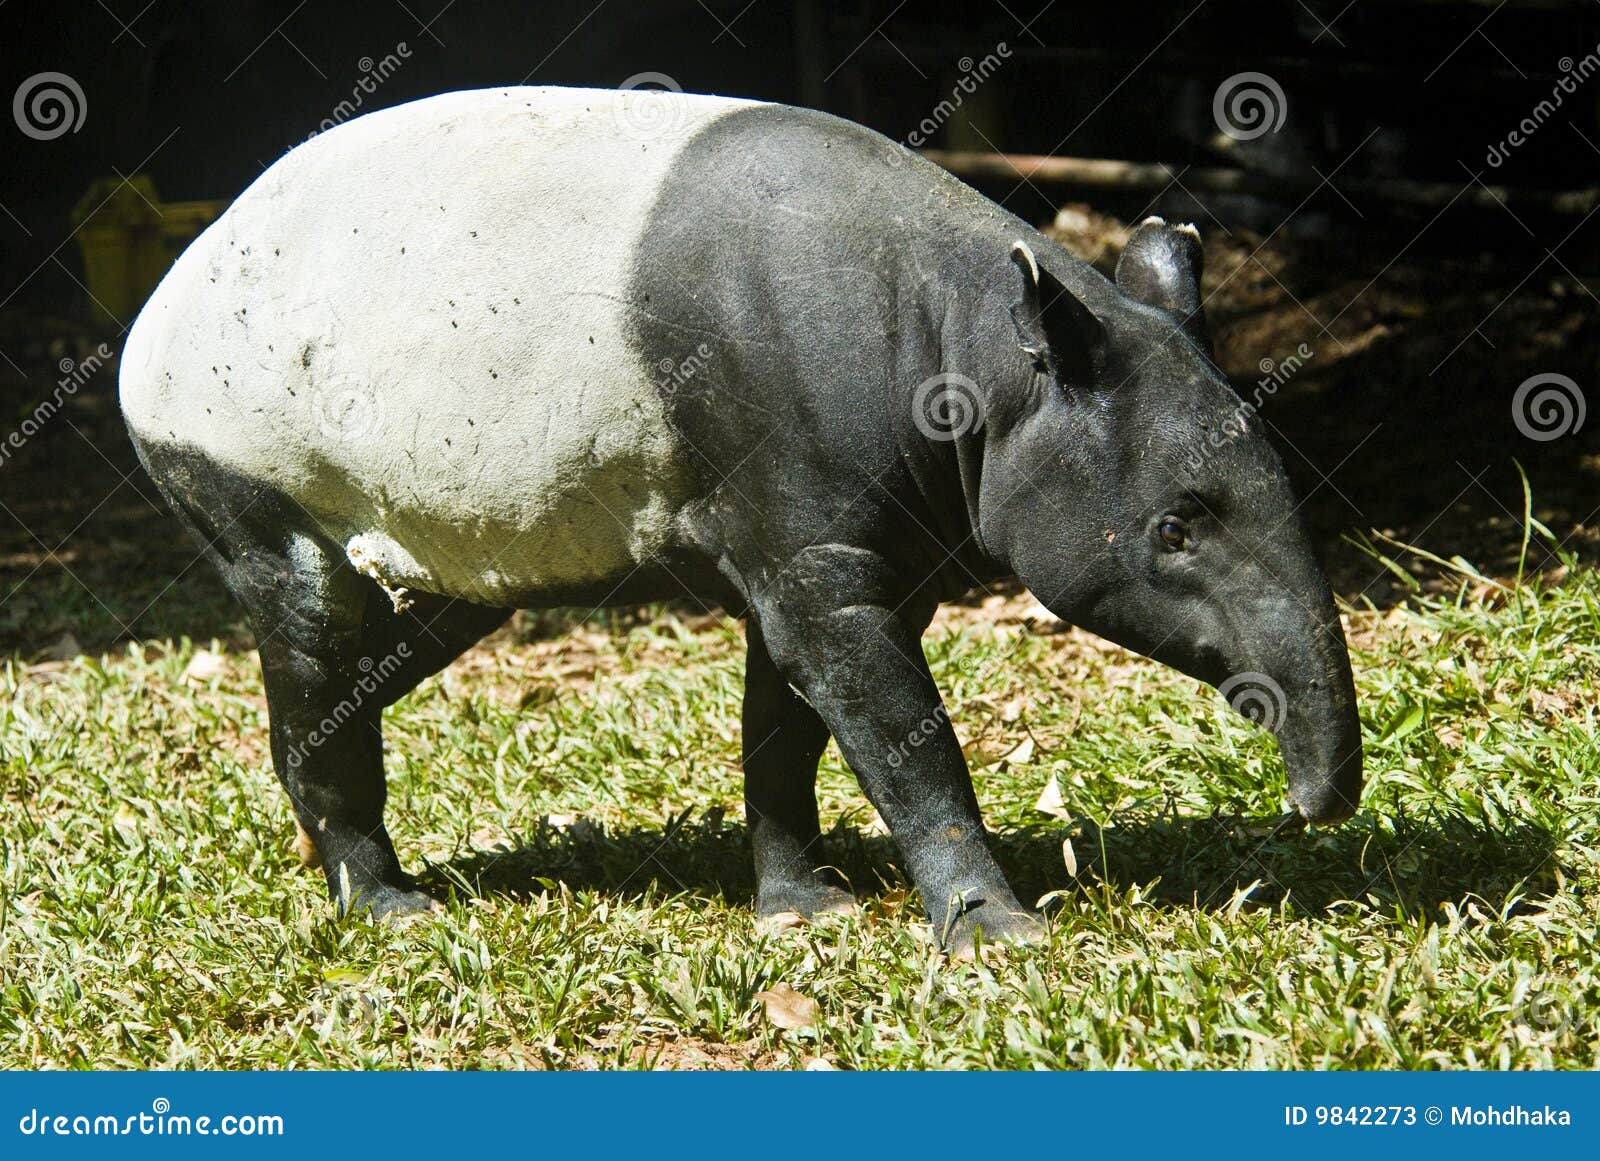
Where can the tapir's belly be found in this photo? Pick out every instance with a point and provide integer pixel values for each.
(417, 326)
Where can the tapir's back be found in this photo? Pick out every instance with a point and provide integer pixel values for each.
(414, 325)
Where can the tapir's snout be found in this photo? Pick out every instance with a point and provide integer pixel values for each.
(1321, 749)
(1279, 660)
(1305, 694)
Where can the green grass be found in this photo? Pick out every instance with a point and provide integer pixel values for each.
(580, 792)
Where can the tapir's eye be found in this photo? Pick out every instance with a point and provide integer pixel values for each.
(1174, 533)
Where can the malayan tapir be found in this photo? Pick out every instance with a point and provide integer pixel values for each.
(534, 347)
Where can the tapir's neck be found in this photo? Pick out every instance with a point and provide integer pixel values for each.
(944, 402)
(980, 356)
(967, 382)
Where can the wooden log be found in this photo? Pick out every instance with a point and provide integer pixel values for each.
(1147, 177)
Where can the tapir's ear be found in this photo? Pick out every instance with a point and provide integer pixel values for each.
(1160, 267)
(1057, 330)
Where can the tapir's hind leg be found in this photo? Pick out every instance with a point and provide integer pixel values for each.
(783, 740)
(308, 609)
(339, 676)
(326, 741)
(333, 654)
(398, 651)
(338, 655)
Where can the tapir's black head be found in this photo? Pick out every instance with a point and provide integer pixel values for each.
(1137, 496)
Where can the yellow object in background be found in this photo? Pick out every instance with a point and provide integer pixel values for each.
(128, 238)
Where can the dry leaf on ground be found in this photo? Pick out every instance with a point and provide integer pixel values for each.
(204, 666)
(787, 1008)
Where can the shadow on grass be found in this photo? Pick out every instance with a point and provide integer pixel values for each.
(707, 856)
(1405, 865)
(1399, 865)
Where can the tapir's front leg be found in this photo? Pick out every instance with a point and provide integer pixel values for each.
(854, 651)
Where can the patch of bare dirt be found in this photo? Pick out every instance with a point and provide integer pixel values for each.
(688, 1054)
(539, 656)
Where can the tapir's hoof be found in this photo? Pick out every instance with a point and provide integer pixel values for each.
(995, 930)
(786, 910)
(393, 905)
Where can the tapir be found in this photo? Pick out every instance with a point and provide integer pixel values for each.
(533, 347)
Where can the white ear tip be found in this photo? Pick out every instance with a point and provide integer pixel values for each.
(1021, 247)
(1153, 220)
(1188, 228)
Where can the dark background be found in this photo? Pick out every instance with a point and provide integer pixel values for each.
(204, 95)
(1427, 304)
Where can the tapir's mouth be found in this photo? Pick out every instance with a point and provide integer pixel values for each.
(1332, 794)
(1321, 748)
(1323, 815)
